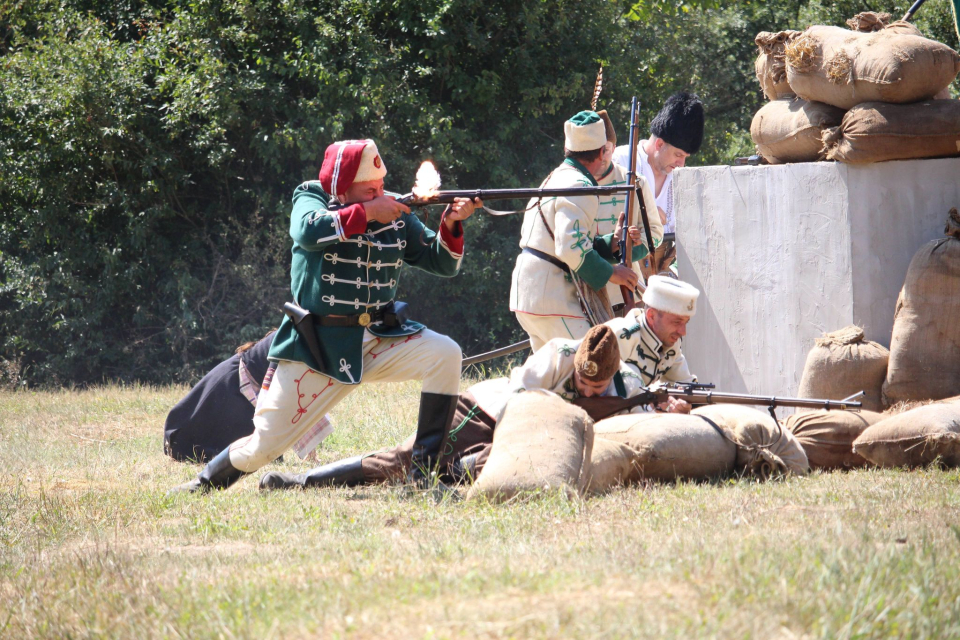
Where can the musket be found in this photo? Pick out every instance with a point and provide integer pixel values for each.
(446, 197)
(699, 394)
(496, 353)
(626, 245)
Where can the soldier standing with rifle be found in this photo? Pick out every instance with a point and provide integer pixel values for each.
(560, 252)
(345, 326)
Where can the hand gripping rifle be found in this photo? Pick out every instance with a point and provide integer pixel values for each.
(626, 245)
(698, 394)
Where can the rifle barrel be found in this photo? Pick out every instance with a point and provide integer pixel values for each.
(696, 396)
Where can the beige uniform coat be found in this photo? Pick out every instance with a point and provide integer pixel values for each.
(539, 287)
(640, 347)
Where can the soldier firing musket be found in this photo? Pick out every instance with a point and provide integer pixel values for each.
(344, 327)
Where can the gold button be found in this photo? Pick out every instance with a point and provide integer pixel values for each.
(364, 319)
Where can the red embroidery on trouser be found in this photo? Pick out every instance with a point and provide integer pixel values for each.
(300, 408)
(296, 400)
(416, 336)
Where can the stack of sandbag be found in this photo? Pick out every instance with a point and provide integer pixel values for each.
(827, 437)
(658, 446)
(872, 76)
(843, 363)
(542, 444)
(925, 345)
(915, 438)
(787, 129)
(791, 129)
(764, 447)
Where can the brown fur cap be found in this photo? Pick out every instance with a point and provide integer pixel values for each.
(598, 356)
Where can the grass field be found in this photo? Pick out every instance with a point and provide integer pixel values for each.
(90, 546)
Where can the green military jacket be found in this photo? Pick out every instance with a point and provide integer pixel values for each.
(343, 265)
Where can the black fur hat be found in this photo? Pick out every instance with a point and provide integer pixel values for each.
(680, 122)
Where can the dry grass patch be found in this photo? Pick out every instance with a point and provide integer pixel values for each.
(91, 545)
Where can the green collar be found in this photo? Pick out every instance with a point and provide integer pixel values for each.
(573, 162)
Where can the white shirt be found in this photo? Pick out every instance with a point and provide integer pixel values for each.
(621, 155)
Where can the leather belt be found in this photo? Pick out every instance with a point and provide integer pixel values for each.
(356, 320)
(549, 258)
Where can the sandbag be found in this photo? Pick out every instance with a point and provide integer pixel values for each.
(611, 465)
(876, 132)
(842, 363)
(925, 345)
(827, 436)
(764, 448)
(668, 446)
(771, 67)
(541, 443)
(870, 21)
(790, 130)
(914, 438)
(844, 68)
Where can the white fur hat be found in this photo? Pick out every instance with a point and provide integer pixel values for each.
(584, 132)
(672, 296)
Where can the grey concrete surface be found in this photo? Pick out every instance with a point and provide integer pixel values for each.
(783, 253)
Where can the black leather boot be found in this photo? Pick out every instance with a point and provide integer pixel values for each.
(218, 474)
(343, 473)
(433, 425)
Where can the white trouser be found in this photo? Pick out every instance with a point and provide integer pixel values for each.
(542, 329)
(297, 397)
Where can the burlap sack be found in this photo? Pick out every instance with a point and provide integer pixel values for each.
(827, 436)
(914, 438)
(876, 131)
(870, 21)
(925, 346)
(541, 443)
(841, 363)
(844, 68)
(764, 448)
(669, 446)
(611, 465)
(790, 130)
(771, 66)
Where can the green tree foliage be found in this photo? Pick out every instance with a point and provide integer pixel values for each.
(148, 149)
